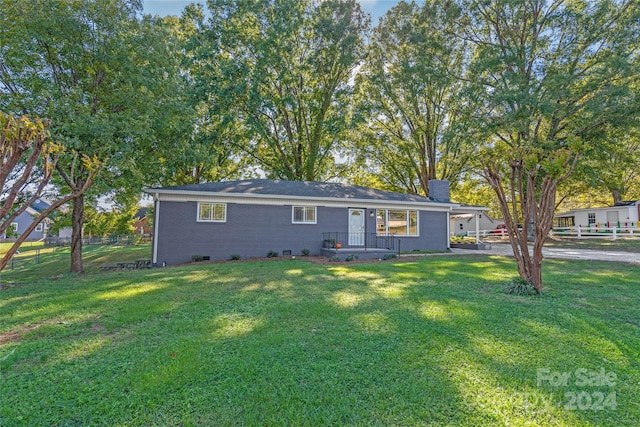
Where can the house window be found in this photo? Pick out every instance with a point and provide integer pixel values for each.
(212, 212)
(591, 218)
(13, 228)
(397, 222)
(39, 227)
(304, 215)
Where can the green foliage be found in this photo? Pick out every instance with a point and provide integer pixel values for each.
(278, 73)
(99, 73)
(410, 96)
(386, 257)
(462, 239)
(351, 257)
(520, 287)
(197, 258)
(103, 224)
(235, 257)
(272, 254)
(305, 252)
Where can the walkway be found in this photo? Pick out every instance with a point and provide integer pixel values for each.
(560, 253)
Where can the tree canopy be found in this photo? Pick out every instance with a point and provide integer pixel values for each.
(550, 80)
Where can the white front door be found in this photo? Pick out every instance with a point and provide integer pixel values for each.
(356, 227)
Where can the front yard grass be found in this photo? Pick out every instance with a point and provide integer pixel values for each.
(433, 341)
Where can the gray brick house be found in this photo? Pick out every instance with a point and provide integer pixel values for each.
(251, 218)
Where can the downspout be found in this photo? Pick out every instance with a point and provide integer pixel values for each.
(156, 221)
(449, 227)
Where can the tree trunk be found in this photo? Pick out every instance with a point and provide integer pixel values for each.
(617, 196)
(77, 221)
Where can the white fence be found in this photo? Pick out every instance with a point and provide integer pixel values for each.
(578, 232)
(596, 231)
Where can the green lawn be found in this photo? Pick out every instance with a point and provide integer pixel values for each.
(625, 244)
(287, 342)
(36, 262)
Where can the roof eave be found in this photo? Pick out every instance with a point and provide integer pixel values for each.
(371, 202)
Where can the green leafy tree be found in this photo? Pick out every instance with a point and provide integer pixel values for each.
(191, 144)
(409, 90)
(277, 73)
(27, 160)
(549, 79)
(97, 72)
(609, 174)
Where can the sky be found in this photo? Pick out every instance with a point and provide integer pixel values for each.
(376, 8)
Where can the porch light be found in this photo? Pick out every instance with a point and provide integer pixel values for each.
(372, 214)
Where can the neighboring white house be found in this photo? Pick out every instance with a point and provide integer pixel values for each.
(463, 224)
(622, 215)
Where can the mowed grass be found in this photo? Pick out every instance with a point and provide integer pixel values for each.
(286, 342)
(35, 261)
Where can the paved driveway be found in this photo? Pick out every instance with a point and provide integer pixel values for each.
(561, 253)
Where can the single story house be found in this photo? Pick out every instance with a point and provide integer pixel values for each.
(254, 218)
(622, 215)
(26, 218)
(466, 223)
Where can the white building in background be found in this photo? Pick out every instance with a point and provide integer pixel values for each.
(465, 223)
(622, 215)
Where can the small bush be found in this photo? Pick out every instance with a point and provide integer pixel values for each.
(351, 257)
(196, 258)
(235, 257)
(462, 239)
(521, 287)
(334, 258)
(389, 256)
(305, 252)
(272, 254)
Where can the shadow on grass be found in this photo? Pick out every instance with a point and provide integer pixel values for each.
(286, 342)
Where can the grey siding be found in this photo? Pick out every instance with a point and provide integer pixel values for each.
(24, 220)
(253, 231)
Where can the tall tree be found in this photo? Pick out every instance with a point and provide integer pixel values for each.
(95, 70)
(199, 145)
(279, 70)
(550, 79)
(410, 91)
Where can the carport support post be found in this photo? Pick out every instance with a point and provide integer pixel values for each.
(615, 229)
(477, 227)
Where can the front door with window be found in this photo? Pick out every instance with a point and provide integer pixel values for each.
(356, 227)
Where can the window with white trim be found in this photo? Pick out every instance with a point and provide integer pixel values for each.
(591, 218)
(304, 215)
(397, 222)
(212, 212)
(39, 228)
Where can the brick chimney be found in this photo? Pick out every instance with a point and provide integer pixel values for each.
(439, 190)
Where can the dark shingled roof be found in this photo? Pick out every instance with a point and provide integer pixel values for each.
(296, 189)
